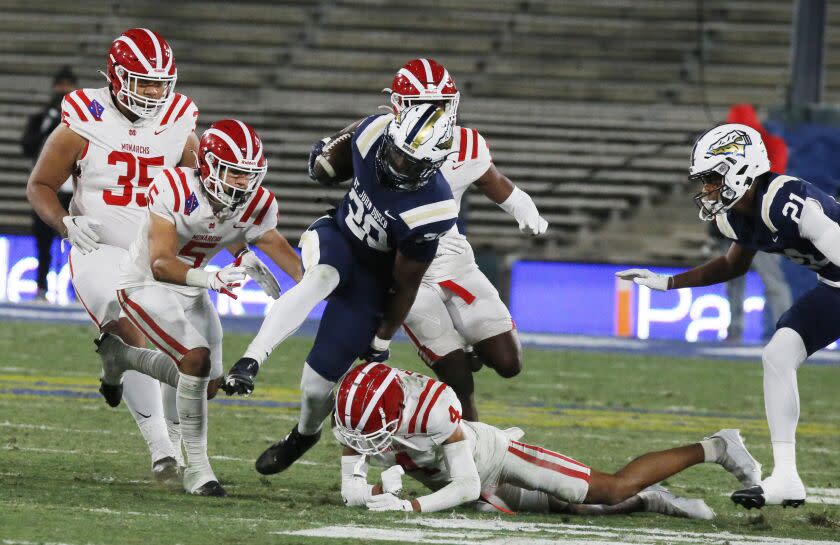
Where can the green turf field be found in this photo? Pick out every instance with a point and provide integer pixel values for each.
(74, 471)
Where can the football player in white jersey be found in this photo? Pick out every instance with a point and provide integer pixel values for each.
(113, 141)
(412, 424)
(458, 320)
(192, 215)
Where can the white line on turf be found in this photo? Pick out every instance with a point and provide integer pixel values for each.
(497, 532)
(54, 450)
(42, 427)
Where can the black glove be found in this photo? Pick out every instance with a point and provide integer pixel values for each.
(240, 378)
(317, 147)
(377, 352)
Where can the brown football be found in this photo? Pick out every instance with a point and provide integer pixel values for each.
(335, 163)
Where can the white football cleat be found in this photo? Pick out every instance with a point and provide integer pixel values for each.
(737, 460)
(658, 499)
(166, 471)
(787, 491)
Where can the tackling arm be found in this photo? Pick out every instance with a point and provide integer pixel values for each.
(55, 164)
(275, 246)
(499, 189)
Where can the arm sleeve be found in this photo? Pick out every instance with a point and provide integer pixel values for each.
(355, 489)
(421, 244)
(465, 483)
(822, 231)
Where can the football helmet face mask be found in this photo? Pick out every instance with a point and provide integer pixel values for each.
(726, 160)
(424, 81)
(231, 162)
(139, 59)
(368, 408)
(415, 145)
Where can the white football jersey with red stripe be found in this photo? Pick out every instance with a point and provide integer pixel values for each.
(431, 415)
(469, 164)
(461, 169)
(122, 157)
(178, 196)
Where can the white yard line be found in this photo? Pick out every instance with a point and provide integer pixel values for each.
(42, 427)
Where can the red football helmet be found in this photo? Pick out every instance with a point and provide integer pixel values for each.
(138, 57)
(423, 80)
(231, 150)
(368, 407)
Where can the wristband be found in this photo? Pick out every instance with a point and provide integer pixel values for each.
(198, 278)
(380, 345)
(242, 252)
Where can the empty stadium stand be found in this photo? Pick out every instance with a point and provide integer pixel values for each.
(589, 105)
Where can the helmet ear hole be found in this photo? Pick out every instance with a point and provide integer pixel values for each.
(743, 170)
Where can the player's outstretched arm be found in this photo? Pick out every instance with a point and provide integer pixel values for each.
(499, 189)
(407, 274)
(464, 485)
(55, 164)
(275, 246)
(735, 263)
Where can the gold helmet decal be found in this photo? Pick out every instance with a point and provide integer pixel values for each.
(732, 143)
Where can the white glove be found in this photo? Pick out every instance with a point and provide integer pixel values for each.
(261, 274)
(222, 281)
(520, 205)
(81, 232)
(388, 502)
(644, 277)
(454, 244)
(392, 480)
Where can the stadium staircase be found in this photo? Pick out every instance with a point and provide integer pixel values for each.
(589, 105)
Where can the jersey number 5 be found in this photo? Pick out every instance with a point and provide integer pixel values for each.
(135, 167)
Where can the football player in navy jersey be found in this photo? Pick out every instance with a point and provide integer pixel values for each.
(762, 211)
(368, 258)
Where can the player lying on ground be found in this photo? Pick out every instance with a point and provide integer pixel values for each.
(192, 215)
(762, 211)
(368, 258)
(404, 419)
(113, 140)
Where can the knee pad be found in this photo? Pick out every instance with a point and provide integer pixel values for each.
(785, 351)
(522, 500)
(322, 275)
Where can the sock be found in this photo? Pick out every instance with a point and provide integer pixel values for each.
(150, 362)
(316, 400)
(781, 358)
(170, 415)
(192, 413)
(784, 457)
(713, 449)
(142, 396)
(288, 313)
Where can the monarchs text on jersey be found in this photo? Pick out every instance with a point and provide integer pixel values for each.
(122, 157)
(177, 196)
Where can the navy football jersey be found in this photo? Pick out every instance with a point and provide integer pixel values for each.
(774, 226)
(379, 220)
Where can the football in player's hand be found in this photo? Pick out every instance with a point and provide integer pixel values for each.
(335, 162)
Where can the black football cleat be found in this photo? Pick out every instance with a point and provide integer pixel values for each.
(210, 488)
(111, 393)
(282, 454)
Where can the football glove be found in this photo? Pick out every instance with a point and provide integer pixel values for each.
(240, 378)
(317, 148)
(261, 274)
(392, 480)
(377, 352)
(647, 278)
(454, 244)
(222, 281)
(81, 232)
(388, 502)
(521, 206)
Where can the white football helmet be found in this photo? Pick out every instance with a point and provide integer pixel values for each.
(729, 156)
(416, 144)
